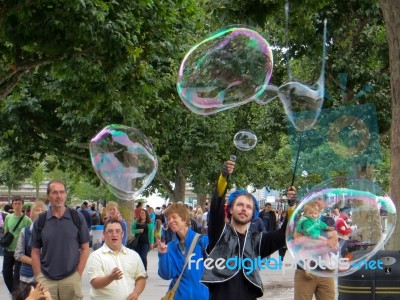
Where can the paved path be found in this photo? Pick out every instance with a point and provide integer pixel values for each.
(278, 284)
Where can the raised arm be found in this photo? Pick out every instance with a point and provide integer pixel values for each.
(216, 221)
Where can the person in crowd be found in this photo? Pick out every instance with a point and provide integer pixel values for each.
(193, 223)
(335, 213)
(103, 215)
(307, 285)
(152, 215)
(94, 215)
(31, 291)
(172, 256)
(257, 224)
(199, 219)
(157, 212)
(113, 213)
(60, 246)
(14, 223)
(143, 229)
(268, 216)
(204, 221)
(84, 210)
(163, 208)
(115, 272)
(138, 209)
(344, 231)
(226, 239)
(23, 250)
(281, 220)
(343, 228)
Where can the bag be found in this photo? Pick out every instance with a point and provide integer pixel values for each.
(169, 295)
(133, 243)
(6, 239)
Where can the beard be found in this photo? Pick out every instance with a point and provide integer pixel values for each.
(239, 221)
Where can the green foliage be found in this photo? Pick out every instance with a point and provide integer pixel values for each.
(69, 68)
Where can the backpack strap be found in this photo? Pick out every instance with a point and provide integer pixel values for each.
(77, 220)
(41, 220)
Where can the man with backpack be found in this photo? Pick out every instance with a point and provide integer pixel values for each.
(60, 246)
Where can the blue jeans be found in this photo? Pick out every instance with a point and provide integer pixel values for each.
(142, 249)
(11, 271)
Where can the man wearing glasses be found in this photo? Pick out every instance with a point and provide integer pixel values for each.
(115, 272)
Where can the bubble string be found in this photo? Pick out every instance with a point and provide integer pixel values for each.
(287, 40)
(297, 159)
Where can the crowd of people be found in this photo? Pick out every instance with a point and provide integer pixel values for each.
(50, 249)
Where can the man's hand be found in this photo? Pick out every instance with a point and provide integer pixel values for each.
(227, 168)
(116, 274)
(162, 247)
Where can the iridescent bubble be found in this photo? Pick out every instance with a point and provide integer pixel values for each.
(302, 102)
(270, 93)
(360, 219)
(245, 140)
(227, 69)
(124, 160)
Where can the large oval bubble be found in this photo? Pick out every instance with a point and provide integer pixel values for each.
(124, 160)
(227, 69)
(339, 226)
(245, 140)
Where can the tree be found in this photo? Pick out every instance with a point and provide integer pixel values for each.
(37, 178)
(391, 14)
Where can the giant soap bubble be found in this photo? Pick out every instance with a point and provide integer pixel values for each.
(227, 69)
(357, 220)
(302, 102)
(124, 160)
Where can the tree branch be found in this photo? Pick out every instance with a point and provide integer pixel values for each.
(7, 86)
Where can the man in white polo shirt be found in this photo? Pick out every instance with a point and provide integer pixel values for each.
(115, 272)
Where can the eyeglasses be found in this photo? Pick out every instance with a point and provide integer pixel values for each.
(110, 231)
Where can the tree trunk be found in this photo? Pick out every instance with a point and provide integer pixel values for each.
(126, 210)
(391, 15)
(180, 186)
(201, 200)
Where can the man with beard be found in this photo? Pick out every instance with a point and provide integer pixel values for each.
(235, 240)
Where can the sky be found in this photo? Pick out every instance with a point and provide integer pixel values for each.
(155, 201)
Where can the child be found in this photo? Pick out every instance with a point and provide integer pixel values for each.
(310, 225)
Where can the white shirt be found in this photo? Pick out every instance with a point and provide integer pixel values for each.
(101, 263)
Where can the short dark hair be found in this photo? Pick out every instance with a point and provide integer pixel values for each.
(17, 198)
(267, 204)
(111, 221)
(55, 181)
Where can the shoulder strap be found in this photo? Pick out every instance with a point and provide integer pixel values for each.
(194, 242)
(41, 220)
(76, 220)
(19, 222)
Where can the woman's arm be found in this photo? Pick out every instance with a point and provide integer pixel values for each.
(20, 250)
(134, 230)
